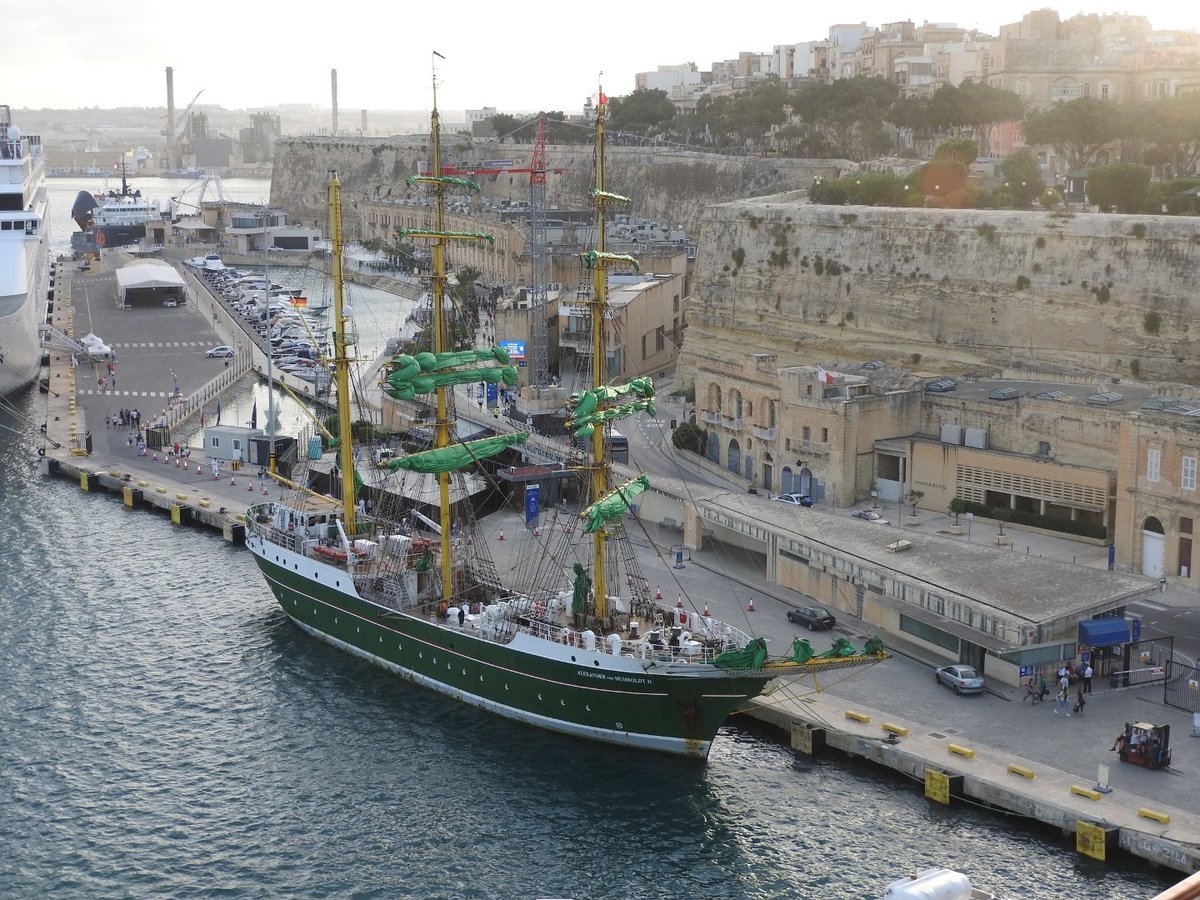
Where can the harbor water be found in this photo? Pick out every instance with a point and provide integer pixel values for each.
(165, 731)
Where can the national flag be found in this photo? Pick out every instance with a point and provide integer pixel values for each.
(823, 376)
(254, 414)
(603, 98)
(218, 410)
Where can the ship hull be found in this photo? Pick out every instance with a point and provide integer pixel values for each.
(591, 695)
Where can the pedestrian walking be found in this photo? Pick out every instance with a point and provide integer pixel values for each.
(1062, 703)
(1087, 678)
(1080, 702)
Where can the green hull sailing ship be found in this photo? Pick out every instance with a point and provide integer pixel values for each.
(581, 647)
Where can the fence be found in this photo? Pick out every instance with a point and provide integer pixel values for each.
(1145, 663)
(1182, 687)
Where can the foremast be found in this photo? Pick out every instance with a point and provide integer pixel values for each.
(341, 360)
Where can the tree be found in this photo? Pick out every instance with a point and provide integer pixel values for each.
(642, 111)
(691, 437)
(1022, 176)
(505, 125)
(1174, 123)
(982, 106)
(957, 507)
(961, 150)
(1122, 186)
(912, 498)
(1076, 130)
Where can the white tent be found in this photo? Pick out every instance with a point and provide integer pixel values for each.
(151, 275)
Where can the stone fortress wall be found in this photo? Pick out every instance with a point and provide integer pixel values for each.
(1076, 297)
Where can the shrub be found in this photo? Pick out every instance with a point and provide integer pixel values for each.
(1122, 186)
(1151, 322)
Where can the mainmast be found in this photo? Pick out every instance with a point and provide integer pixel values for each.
(601, 464)
(441, 435)
(341, 360)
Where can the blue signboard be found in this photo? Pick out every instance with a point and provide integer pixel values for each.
(491, 396)
(515, 349)
(1137, 630)
(1026, 671)
(533, 495)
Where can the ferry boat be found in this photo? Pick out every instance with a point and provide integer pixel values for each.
(571, 639)
(24, 261)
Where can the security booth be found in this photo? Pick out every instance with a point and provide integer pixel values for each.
(230, 443)
(1103, 639)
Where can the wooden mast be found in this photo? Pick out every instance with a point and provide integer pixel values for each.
(599, 304)
(438, 289)
(341, 360)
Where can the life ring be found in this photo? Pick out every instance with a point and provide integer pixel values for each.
(41, 451)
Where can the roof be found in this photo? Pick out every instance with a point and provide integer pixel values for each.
(193, 224)
(150, 274)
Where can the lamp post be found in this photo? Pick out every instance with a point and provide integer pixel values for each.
(968, 517)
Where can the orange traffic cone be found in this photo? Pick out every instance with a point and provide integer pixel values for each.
(232, 481)
(264, 489)
(679, 602)
(501, 535)
(177, 462)
(706, 612)
(197, 468)
(166, 459)
(154, 457)
(658, 593)
(750, 608)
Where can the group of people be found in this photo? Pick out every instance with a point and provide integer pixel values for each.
(123, 417)
(1067, 675)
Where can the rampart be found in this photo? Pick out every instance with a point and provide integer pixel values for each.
(1081, 297)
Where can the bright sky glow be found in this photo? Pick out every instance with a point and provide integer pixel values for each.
(513, 56)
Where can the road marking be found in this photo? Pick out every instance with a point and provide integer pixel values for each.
(1146, 604)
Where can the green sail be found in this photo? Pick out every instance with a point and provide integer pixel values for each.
(456, 456)
(588, 400)
(465, 235)
(583, 587)
(443, 179)
(402, 389)
(613, 505)
(752, 656)
(585, 425)
(593, 258)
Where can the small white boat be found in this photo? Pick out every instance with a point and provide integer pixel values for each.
(935, 884)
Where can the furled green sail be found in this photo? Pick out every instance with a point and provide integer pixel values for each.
(613, 505)
(752, 656)
(802, 650)
(841, 647)
(585, 425)
(588, 400)
(454, 457)
(582, 587)
(443, 179)
(593, 258)
(458, 235)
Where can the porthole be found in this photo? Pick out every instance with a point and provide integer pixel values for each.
(572, 659)
(421, 655)
(358, 630)
(539, 696)
(381, 639)
(447, 667)
(620, 727)
(481, 679)
(588, 708)
(596, 661)
(464, 671)
(506, 687)
(336, 620)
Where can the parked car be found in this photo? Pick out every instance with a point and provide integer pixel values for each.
(795, 499)
(870, 515)
(812, 616)
(961, 679)
(171, 302)
(223, 350)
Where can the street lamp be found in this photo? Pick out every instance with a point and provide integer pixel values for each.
(968, 517)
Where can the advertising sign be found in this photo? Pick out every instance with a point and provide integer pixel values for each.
(515, 349)
(492, 396)
(533, 495)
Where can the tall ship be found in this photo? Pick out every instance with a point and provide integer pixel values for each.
(571, 639)
(24, 260)
(112, 218)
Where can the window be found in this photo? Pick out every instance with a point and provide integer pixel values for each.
(214, 442)
(660, 339)
(1188, 479)
(806, 434)
(1153, 461)
(825, 435)
(644, 336)
(1185, 525)
(928, 633)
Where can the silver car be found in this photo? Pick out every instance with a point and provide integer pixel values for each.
(961, 679)
(869, 515)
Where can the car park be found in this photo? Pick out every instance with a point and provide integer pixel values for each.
(869, 515)
(812, 617)
(223, 350)
(960, 678)
(795, 499)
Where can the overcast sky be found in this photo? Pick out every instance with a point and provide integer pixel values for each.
(514, 56)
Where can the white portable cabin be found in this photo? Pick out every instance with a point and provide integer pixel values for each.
(230, 442)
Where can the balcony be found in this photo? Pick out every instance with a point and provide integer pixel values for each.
(708, 417)
(763, 432)
(731, 423)
(819, 447)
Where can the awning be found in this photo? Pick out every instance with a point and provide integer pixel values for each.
(1103, 632)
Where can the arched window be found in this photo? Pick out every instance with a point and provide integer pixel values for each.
(735, 457)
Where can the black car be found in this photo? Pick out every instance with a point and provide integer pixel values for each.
(812, 616)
